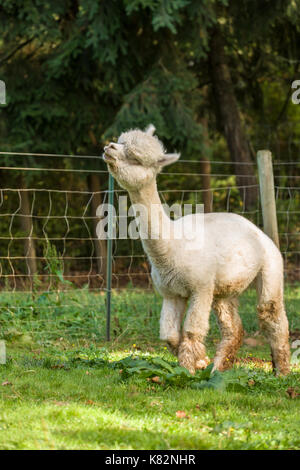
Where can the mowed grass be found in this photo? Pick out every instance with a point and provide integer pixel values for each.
(58, 391)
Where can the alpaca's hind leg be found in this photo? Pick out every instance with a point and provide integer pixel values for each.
(192, 353)
(172, 313)
(273, 320)
(231, 329)
(274, 325)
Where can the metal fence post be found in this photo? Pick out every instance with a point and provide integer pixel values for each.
(109, 254)
(267, 194)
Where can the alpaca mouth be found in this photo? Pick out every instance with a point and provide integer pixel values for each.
(108, 158)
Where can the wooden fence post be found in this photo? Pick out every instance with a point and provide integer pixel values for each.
(267, 194)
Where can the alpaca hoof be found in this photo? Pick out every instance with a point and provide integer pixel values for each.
(187, 361)
(282, 371)
(202, 363)
(191, 349)
(281, 362)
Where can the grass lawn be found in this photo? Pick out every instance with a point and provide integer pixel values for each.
(59, 391)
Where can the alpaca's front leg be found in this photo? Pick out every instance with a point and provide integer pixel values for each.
(192, 353)
(172, 313)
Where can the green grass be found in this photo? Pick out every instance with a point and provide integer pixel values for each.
(59, 390)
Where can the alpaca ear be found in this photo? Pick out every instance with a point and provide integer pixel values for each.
(150, 129)
(168, 158)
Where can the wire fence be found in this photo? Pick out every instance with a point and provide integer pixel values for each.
(57, 249)
(65, 219)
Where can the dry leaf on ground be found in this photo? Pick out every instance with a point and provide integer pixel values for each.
(181, 414)
(292, 392)
(156, 379)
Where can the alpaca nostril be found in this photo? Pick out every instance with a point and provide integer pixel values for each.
(112, 146)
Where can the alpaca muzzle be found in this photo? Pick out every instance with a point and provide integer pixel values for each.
(107, 155)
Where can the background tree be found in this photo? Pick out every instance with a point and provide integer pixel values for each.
(213, 76)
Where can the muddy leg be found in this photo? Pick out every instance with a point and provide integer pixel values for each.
(231, 329)
(271, 313)
(274, 325)
(192, 353)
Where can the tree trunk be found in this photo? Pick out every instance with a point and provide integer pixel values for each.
(100, 245)
(27, 229)
(230, 119)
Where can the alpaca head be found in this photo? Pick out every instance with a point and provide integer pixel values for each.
(136, 158)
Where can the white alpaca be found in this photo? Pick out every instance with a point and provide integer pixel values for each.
(235, 253)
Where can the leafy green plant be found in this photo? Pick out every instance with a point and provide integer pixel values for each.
(169, 373)
(55, 266)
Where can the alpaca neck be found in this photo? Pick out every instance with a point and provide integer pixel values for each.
(152, 219)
